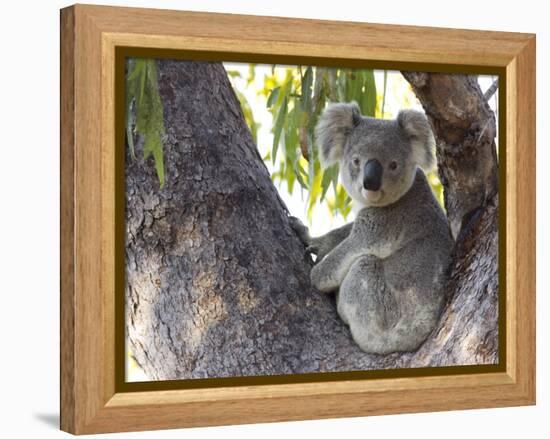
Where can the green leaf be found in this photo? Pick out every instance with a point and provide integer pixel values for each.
(341, 199)
(251, 73)
(129, 133)
(311, 161)
(300, 173)
(142, 92)
(291, 134)
(368, 106)
(331, 84)
(354, 86)
(384, 93)
(325, 184)
(159, 163)
(273, 97)
(141, 64)
(328, 178)
(307, 81)
(129, 117)
(335, 179)
(135, 68)
(341, 81)
(132, 72)
(278, 128)
(314, 193)
(153, 146)
(320, 91)
(290, 176)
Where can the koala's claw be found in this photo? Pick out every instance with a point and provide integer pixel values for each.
(295, 222)
(301, 230)
(313, 249)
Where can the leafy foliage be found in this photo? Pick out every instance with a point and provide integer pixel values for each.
(144, 113)
(295, 102)
(295, 97)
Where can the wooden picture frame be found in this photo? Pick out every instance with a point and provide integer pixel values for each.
(91, 402)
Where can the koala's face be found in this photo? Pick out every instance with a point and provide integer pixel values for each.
(377, 166)
(378, 158)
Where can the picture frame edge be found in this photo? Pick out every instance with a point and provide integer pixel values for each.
(89, 402)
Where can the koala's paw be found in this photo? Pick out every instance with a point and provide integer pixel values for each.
(318, 248)
(301, 230)
(320, 280)
(313, 249)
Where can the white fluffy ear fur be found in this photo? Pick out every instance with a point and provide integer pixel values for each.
(417, 127)
(333, 127)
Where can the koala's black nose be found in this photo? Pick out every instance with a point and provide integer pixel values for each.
(372, 175)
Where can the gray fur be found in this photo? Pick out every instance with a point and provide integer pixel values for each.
(416, 125)
(322, 245)
(332, 130)
(389, 267)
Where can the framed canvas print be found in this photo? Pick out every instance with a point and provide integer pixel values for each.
(270, 219)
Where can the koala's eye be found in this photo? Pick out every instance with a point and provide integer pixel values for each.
(356, 161)
(393, 165)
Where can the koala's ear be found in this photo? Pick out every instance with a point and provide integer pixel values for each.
(416, 126)
(334, 126)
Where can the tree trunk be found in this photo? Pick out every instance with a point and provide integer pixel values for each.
(464, 128)
(217, 283)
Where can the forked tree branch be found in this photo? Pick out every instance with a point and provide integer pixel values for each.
(464, 127)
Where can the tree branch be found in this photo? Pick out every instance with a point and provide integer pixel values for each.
(464, 127)
(491, 91)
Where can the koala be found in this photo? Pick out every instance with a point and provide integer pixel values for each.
(389, 267)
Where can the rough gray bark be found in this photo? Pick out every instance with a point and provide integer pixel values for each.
(465, 129)
(217, 283)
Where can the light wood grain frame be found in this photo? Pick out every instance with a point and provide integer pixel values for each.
(89, 38)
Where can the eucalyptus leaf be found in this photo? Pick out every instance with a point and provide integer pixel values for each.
(300, 174)
(278, 128)
(307, 81)
(291, 134)
(369, 97)
(143, 101)
(273, 97)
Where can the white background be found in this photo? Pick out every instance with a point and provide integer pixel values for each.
(29, 219)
